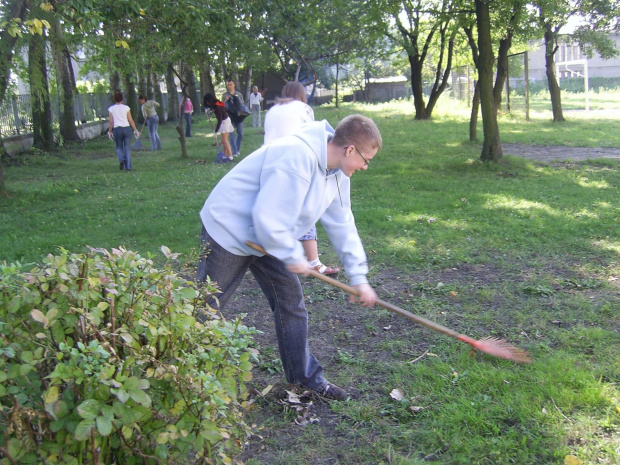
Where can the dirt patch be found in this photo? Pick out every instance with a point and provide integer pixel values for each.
(548, 153)
(341, 333)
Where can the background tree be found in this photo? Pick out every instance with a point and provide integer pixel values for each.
(491, 146)
(66, 81)
(426, 30)
(43, 134)
(13, 14)
(599, 17)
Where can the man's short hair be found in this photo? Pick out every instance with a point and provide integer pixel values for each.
(358, 130)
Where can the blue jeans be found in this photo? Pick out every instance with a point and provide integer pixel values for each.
(122, 139)
(153, 123)
(286, 299)
(235, 139)
(188, 124)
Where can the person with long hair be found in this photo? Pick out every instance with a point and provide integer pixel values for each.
(289, 114)
(119, 130)
(224, 125)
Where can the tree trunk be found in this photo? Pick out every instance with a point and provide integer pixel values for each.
(248, 84)
(441, 78)
(206, 82)
(417, 88)
(491, 146)
(144, 88)
(552, 82)
(115, 80)
(157, 95)
(66, 83)
(173, 98)
(502, 69)
(337, 72)
(191, 89)
(18, 10)
(131, 99)
(43, 135)
(180, 128)
(473, 118)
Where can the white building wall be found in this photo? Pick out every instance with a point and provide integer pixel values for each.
(597, 66)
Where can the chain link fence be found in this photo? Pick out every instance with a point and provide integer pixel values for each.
(16, 111)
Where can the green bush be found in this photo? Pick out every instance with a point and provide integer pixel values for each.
(104, 362)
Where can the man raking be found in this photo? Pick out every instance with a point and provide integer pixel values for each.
(272, 198)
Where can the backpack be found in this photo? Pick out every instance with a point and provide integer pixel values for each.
(236, 109)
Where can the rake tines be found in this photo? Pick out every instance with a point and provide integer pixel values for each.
(498, 348)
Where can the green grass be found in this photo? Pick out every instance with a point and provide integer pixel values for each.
(524, 250)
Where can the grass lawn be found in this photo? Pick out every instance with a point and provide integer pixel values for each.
(521, 250)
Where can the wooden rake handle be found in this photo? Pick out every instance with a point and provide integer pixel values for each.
(381, 303)
(489, 345)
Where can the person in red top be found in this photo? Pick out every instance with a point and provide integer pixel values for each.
(224, 125)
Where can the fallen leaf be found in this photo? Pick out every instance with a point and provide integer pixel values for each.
(387, 328)
(416, 409)
(293, 398)
(544, 410)
(265, 391)
(572, 460)
(397, 394)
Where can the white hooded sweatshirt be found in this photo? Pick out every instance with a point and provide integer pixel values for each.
(277, 193)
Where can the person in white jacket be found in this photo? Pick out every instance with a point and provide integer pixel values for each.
(287, 116)
(272, 198)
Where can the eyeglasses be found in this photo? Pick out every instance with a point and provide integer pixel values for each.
(366, 163)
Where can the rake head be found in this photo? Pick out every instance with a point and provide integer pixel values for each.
(500, 348)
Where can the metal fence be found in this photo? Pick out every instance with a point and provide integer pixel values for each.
(16, 113)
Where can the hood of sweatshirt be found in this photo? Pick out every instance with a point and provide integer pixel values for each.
(277, 193)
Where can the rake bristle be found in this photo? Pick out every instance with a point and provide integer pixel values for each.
(500, 348)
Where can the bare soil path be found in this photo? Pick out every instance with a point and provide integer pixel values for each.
(548, 153)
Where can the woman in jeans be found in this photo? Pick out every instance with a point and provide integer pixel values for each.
(119, 130)
(152, 120)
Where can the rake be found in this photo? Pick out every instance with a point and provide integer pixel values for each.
(137, 145)
(488, 345)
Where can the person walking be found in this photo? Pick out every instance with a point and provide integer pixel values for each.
(151, 117)
(235, 140)
(255, 100)
(188, 109)
(119, 130)
(224, 126)
(271, 198)
(288, 114)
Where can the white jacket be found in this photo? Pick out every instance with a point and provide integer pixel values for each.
(277, 193)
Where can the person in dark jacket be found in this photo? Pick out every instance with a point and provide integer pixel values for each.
(224, 125)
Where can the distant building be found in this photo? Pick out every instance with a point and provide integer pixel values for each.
(385, 89)
(570, 62)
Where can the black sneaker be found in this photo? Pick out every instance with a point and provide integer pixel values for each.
(331, 391)
(122, 165)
